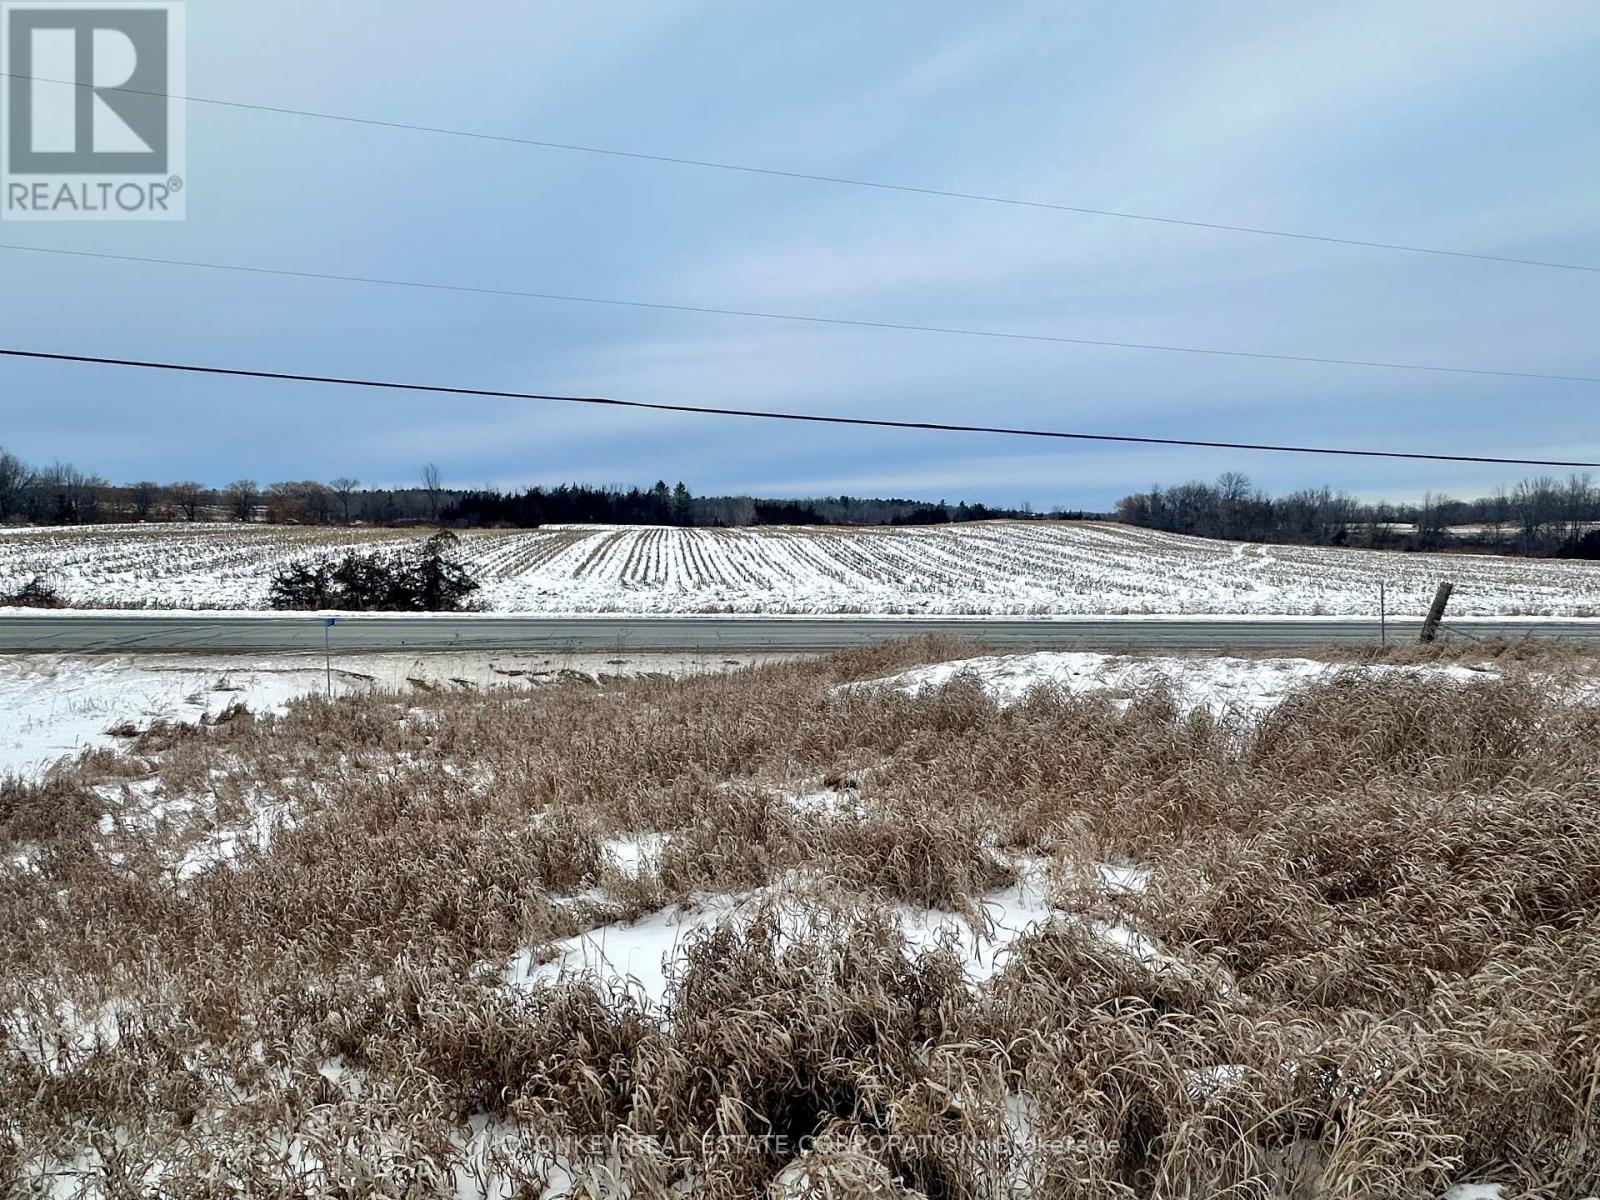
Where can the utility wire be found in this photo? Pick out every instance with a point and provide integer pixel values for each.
(1007, 335)
(710, 410)
(844, 181)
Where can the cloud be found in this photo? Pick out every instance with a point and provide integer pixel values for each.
(1459, 125)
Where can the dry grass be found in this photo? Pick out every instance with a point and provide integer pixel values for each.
(1457, 645)
(1366, 963)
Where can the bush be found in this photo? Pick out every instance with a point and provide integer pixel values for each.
(1588, 546)
(422, 580)
(36, 593)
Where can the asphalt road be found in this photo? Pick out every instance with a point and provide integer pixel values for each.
(167, 632)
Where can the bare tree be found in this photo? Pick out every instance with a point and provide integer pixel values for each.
(1430, 518)
(431, 485)
(1233, 486)
(319, 501)
(1535, 503)
(63, 495)
(344, 488)
(15, 478)
(300, 502)
(284, 506)
(1233, 489)
(1577, 500)
(1499, 510)
(241, 498)
(144, 496)
(187, 495)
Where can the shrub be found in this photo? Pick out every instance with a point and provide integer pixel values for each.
(427, 579)
(36, 593)
(1587, 546)
(304, 585)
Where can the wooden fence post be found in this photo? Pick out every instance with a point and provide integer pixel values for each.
(1430, 625)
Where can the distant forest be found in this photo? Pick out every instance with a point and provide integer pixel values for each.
(61, 494)
(571, 504)
(1546, 517)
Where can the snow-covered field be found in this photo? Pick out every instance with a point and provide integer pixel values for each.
(1019, 568)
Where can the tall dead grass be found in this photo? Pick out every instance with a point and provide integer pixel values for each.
(1366, 962)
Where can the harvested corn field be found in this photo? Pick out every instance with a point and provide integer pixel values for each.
(1015, 567)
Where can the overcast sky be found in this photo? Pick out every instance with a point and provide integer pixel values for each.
(1461, 125)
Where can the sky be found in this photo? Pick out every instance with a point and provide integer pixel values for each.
(1460, 125)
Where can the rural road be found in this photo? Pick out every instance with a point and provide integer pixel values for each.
(168, 632)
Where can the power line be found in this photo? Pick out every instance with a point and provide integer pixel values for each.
(815, 418)
(840, 180)
(1006, 335)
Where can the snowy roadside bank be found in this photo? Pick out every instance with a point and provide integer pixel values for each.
(1218, 685)
(52, 706)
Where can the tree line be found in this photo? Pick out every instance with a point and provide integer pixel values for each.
(1543, 516)
(571, 504)
(60, 494)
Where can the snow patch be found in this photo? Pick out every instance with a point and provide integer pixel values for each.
(55, 707)
(635, 956)
(636, 853)
(1217, 685)
(631, 956)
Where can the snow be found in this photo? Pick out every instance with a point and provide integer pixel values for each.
(631, 957)
(1210, 1082)
(635, 854)
(1123, 879)
(223, 846)
(999, 567)
(55, 706)
(73, 1034)
(635, 956)
(820, 802)
(1008, 913)
(1218, 685)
